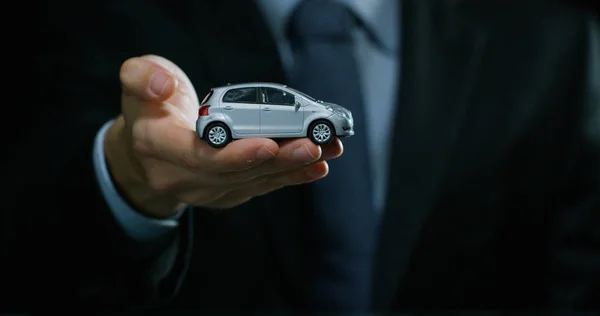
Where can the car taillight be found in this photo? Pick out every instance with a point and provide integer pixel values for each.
(203, 111)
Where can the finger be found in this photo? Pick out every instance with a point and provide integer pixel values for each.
(167, 177)
(332, 150)
(304, 151)
(185, 85)
(178, 145)
(184, 102)
(147, 80)
(175, 178)
(171, 179)
(198, 164)
(304, 175)
(292, 154)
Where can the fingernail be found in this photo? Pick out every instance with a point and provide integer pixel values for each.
(303, 154)
(263, 153)
(158, 82)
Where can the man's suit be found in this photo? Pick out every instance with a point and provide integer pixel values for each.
(494, 182)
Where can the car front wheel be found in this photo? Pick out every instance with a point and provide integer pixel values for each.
(321, 132)
(217, 135)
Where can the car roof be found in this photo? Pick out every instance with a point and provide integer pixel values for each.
(251, 84)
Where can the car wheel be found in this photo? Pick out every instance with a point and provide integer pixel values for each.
(321, 132)
(217, 135)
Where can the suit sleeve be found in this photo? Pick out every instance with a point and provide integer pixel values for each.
(61, 245)
(133, 223)
(574, 243)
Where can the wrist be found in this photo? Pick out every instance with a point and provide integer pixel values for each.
(127, 176)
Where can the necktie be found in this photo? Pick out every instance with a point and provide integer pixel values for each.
(320, 32)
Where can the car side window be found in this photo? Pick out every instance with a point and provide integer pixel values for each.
(240, 95)
(279, 97)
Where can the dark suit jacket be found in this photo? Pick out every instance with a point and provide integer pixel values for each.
(494, 183)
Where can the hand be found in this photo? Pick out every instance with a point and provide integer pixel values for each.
(158, 161)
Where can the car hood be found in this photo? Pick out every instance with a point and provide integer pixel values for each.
(337, 109)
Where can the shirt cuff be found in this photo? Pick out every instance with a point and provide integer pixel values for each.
(135, 225)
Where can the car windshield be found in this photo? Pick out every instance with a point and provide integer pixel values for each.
(303, 94)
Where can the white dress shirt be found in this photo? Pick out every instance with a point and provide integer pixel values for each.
(378, 68)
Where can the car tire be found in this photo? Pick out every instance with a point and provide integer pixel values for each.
(321, 132)
(217, 135)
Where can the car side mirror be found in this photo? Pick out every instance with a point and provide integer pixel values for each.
(297, 106)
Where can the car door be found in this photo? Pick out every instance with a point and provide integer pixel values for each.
(279, 114)
(241, 109)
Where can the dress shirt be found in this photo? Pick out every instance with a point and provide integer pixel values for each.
(378, 67)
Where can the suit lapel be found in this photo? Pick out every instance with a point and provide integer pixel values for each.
(442, 48)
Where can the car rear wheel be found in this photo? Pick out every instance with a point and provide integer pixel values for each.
(321, 132)
(217, 135)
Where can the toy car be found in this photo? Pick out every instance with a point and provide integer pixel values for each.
(269, 110)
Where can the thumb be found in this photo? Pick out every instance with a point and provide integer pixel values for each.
(147, 80)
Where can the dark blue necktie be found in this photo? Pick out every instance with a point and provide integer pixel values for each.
(324, 67)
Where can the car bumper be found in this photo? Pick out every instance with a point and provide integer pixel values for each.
(344, 127)
(345, 133)
(201, 124)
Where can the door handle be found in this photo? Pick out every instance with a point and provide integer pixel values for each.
(266, 109)
(229, 107)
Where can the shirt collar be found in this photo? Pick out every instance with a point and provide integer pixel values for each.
(379, 16)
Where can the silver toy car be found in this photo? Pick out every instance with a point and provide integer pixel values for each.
(269, 110)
